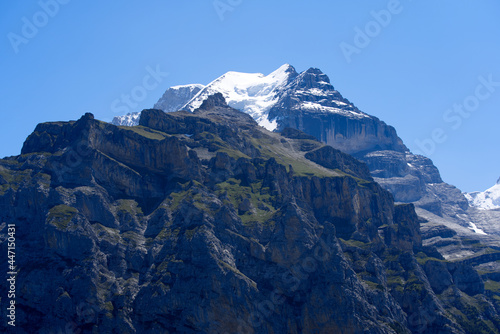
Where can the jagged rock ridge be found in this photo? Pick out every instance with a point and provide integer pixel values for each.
(206, 222)
(307, 101)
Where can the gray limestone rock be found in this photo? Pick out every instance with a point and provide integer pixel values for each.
(128, 230)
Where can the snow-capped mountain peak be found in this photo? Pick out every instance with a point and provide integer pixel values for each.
(485, 200)
(252, 93)
(312, 92)
(267, 98)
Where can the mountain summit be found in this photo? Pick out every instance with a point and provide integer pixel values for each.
(252, 93)
(307, 101)
(257, 94)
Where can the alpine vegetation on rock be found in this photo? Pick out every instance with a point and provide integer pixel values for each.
(307, 101)
(205, 222)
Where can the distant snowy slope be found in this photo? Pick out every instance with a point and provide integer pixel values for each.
(485, 200)
(129, 119)
(173, 99)
(176, 97)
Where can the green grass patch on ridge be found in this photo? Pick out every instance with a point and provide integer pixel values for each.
(146, 132)
(61, 215)
(259, 197)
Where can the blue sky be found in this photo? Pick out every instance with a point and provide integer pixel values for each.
(411, 69)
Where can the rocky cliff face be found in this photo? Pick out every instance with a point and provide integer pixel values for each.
(311, 104)
(205, 222)
(307, 101)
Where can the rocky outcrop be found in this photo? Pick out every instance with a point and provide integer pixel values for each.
(331, 158)
(207, 223)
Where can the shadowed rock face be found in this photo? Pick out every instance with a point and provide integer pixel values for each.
(205, 222)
